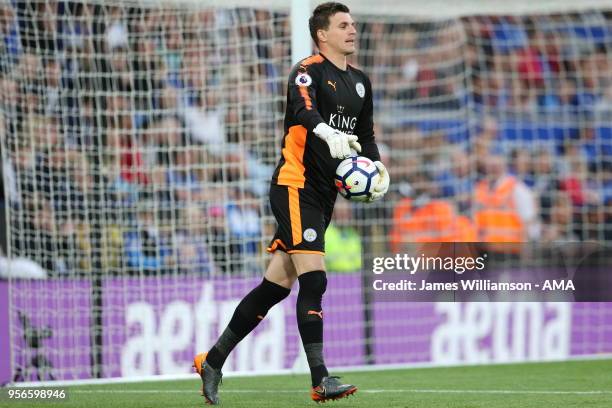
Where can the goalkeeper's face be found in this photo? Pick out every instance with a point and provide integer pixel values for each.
(341, 35)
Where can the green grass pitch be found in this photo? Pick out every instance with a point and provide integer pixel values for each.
(538, 385)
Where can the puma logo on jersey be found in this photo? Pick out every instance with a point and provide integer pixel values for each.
(313, 312)
(332, 84)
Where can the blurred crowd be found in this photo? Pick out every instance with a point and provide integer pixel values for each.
(141, 140)
(491, 101)
(515, 65)
(134, 136)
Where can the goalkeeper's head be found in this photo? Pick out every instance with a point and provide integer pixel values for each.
(332, 28)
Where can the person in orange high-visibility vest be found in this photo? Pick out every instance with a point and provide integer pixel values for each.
(504, 208)
(434, 221)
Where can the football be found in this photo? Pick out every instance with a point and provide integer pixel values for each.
(356, 177)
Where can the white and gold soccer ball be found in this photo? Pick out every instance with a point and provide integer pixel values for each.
(356, 178)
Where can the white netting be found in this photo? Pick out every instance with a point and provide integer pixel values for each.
(153, 117)
(138, 141)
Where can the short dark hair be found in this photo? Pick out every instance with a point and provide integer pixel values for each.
(320, 17)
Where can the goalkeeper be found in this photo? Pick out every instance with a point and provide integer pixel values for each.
(329, 112)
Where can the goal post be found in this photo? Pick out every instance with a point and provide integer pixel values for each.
(138, 139)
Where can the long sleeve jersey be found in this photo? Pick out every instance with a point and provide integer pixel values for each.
(318, 91)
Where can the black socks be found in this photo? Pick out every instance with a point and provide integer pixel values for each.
(254, 307)
(310, 321)
(251, 310)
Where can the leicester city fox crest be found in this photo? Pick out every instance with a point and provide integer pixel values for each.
(360, 89)
(310, 235)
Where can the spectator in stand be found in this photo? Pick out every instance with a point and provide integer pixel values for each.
(603, 109)
(548, 43)
(590, 214)
(183, 177)
(457, 182)
(566, 99)
(87, 135)
(574, 177)
(558, 225)
(29, 80)
(38, 27)
(38, 241)
(122, 135)
(422, 217)
(545, 179)
(147, 67)
(602, 65)
(343, 243)
(507, 34)
(52, 89)
(168, 104)
(497, 95)
(10, 46)
(120, 76)
(115, 168)
(146, 249)
(84, 67)
(405, 81)
(244, 230)
(531, 64)
(195, 72)
(172, 50)
(190, 240)
(77, 26)
(116, 30)
(204, 120)
(593, 226)
(524, 99)
(589, 89)
(505, 209)
(162, 138)
(521, 166)
(451, 66)
(590, 145)
(483, 142)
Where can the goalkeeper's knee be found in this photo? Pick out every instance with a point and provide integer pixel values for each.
(255, 305)
(312, 287)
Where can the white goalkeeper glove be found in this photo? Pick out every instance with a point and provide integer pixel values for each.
(339, 143)
(380, 189)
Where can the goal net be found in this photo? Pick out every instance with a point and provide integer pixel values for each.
(138, 139)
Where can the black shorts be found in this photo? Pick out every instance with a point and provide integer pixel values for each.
(302, 219)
